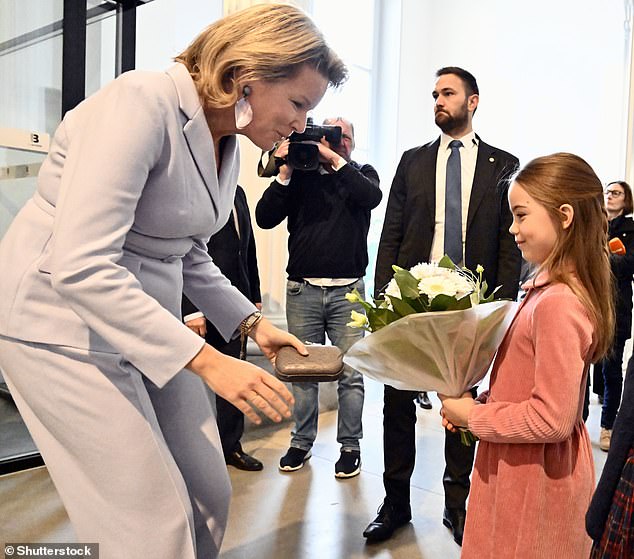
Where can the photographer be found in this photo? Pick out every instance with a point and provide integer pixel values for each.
(328, 211)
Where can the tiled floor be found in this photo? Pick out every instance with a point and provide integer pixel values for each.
(306, 514)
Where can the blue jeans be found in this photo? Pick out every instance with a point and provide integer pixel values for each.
(612, 369)
(311, 313)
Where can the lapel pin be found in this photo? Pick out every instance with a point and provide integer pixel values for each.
(491, 159)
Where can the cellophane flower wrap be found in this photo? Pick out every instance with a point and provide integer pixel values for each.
(434, 329)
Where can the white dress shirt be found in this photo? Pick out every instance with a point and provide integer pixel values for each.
(468, 158)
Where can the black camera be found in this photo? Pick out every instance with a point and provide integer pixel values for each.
(303, 153)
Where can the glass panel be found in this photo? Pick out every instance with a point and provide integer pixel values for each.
(18, 177)
(30, 99)
(101, 40)
(30, 65)
(27, 16)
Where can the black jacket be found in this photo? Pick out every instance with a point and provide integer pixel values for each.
(236, 258)
(622, 269)
(408, 229)
(328, 220)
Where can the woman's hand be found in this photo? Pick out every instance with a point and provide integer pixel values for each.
(270, 339)
(455, 411)
(246, 386)
(198, 325)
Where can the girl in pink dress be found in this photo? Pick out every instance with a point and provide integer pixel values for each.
(534, 472)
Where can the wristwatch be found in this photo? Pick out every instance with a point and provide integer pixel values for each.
(249, 322)
(245, 327)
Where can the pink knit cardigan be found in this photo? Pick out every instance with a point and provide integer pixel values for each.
(534, 471)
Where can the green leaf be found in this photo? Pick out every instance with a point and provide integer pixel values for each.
(379, 318)
(443, 302)
(446, 262)
(491, 296)
(420, 304)
(467, 438)
(402, 307)
(407, 283)
(484, 286)
(462, 304)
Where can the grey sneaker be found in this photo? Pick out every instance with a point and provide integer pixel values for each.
(294, 459)
(349, 464)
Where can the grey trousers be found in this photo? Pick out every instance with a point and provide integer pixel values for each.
(139, 469)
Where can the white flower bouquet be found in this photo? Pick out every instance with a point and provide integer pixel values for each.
(434, 329)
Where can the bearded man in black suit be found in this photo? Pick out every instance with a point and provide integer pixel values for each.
(415, 231)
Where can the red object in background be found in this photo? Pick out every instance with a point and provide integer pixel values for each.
(616, 246)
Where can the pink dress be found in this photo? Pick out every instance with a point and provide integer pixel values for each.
(534, 472)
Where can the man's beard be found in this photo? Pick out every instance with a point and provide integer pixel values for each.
(448, 123)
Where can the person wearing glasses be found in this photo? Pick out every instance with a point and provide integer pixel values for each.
(608, 373)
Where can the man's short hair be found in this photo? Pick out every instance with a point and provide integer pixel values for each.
(333, 119)
(470, 83)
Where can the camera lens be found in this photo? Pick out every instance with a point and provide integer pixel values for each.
(304, 157)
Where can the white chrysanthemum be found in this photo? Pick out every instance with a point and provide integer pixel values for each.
(393, 289)
(425, 270)
(448, 282)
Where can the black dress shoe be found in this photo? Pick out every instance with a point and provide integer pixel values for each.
(389, 518)
(422, 399)
(454, 520)
(241, 460)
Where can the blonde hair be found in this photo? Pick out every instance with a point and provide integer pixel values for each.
(263, 42)
(581, 249)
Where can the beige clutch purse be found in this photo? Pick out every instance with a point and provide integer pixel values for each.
(322, 364)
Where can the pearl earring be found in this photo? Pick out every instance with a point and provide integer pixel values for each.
(243, 110)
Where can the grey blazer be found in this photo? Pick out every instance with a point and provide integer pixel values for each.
(117, 229)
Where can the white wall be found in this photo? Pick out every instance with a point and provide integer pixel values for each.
(551, 74)
(166, 27)
(552, 77)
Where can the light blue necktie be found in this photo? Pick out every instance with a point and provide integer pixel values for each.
(453, 205)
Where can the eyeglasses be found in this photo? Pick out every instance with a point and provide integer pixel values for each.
(613, 193)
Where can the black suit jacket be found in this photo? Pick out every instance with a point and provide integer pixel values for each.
(236, 258)
(408, 229)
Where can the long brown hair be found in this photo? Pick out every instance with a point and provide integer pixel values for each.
(581, 250)
(263, 42)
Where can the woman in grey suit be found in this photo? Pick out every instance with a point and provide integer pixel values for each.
(138, 177)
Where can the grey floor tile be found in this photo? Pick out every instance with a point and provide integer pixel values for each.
(305, 514)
